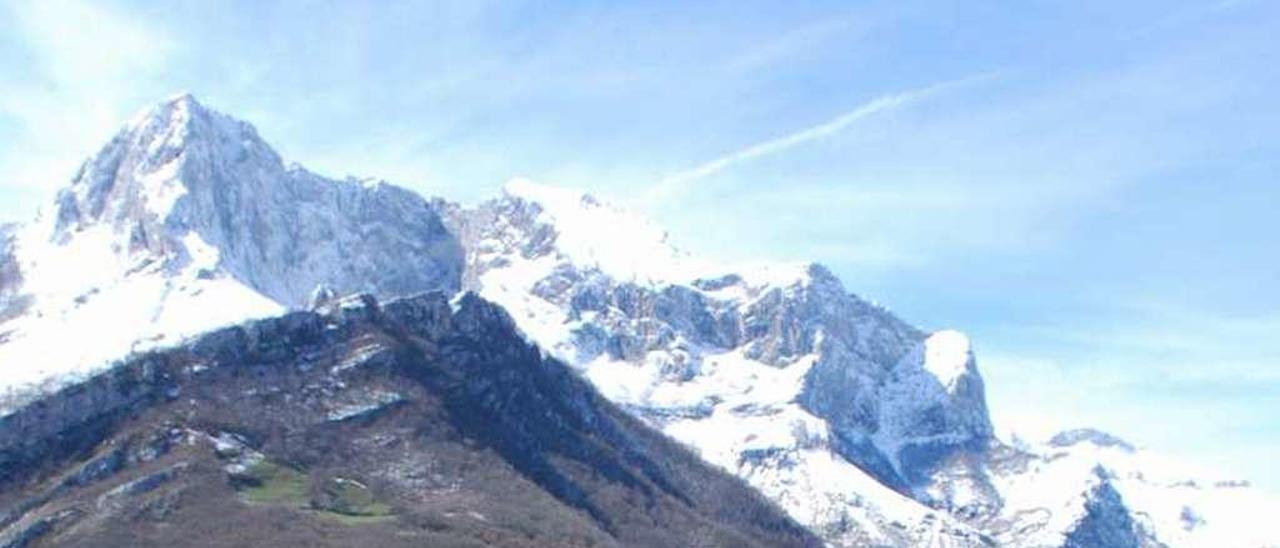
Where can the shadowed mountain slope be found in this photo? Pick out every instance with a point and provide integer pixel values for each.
(406, 424)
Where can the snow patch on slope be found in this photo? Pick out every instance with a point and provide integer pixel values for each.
(187, 221)
(595, 235)
(91, 305)
(947, 356)
(628, 246)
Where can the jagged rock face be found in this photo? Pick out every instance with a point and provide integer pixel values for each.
(187, 221)
(12, 302)
(1089, 435)
(876, 395)
(1106, 523)
(695, 355)
(861, 426)
(183, 169)
(406, 424)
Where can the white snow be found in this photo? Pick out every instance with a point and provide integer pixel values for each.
(1173, 499)
(742, 415)
(110, 304)
(593, 234)
(730, 407)
(144, 248)
(628, 246)
(947, 356)
(162, 189)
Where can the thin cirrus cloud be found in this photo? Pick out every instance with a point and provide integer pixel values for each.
(64, 90)
(673, 185)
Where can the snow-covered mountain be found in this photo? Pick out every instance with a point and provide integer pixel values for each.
(861, 426)
(186, 221)
(826, 403)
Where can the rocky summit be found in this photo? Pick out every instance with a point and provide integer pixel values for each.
(587, 377)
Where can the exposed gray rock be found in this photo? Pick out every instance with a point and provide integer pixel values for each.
(30, 532)
(362, 404)
(886, 415)
(139, 486)
(1106, 523)
(282, 231)
(1089, 435)
(12, 301)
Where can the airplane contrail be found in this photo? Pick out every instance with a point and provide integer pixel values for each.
(673, 183)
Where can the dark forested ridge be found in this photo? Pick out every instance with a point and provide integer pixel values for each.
(409, 423)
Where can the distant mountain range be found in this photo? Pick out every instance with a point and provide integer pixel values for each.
(852, 423)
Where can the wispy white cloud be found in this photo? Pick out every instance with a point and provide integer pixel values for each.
(84, 43)
(86, 65)
(795, 42)
(676, 183)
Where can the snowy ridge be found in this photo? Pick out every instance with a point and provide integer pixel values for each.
(861, 426)
(631, 247)
(857, 424)
(724, 358)
(186, 220)
(595, 235)
(121, 303)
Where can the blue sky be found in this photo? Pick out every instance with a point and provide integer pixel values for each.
(1088, 189)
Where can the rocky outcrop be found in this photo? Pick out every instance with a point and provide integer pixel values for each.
(858, 379)
(1088, 435)
(183, 170)
(1106, 522)
(187, 221)
(12, 301)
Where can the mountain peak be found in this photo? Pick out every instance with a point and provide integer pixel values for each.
(548, 195)
(592, 233)
(597, 234)
(182, 118)
(174, 113)
(183, 97)
(183, 186)
(138, 177)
